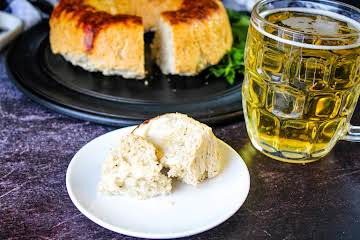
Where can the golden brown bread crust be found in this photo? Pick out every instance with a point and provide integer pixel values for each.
(97, 40)
(90, 19)
(192, 10)
(107, 35)
(150, 10)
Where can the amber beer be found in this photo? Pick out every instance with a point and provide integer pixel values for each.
(302, 81)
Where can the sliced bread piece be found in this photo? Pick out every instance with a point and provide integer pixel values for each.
(133, 169)
(193, 37)
(189, 148)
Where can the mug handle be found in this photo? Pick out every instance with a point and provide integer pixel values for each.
(353, 134)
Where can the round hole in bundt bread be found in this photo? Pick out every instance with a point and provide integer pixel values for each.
(107, 36)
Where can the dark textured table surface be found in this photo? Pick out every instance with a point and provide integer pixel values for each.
(315, 201)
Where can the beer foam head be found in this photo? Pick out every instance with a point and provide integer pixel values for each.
(316, 26)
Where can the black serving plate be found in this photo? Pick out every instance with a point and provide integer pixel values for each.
(53, 82)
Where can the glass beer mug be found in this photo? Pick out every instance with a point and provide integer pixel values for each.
(302, 79)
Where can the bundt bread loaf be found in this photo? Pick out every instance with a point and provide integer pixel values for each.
(192, 38)
(107, 36)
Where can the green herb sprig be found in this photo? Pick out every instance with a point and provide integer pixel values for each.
(233, 62)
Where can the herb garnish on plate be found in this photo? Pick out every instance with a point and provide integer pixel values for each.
(233, 62)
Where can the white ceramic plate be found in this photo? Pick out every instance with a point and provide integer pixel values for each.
(188, 210)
